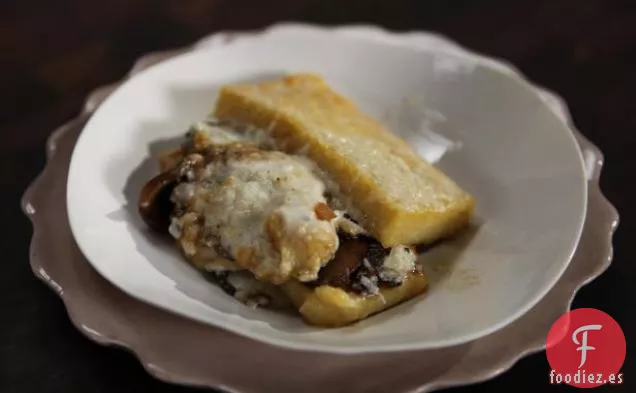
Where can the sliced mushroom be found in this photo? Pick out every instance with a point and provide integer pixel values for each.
(348, 259)
(154, 205)
(357, 266)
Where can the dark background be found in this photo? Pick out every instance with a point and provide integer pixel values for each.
(54, 52)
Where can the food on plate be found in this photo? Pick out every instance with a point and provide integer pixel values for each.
(362, 279)
(288, 193)
(400, 198)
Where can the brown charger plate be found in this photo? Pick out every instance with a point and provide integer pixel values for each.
(182, 351)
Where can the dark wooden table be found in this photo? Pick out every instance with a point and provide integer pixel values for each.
(54, 52)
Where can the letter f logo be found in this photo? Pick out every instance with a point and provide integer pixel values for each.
(584, 347)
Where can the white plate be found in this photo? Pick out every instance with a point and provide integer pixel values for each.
(490, 131)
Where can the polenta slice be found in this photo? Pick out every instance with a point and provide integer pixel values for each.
(393, 192)
(328, 306)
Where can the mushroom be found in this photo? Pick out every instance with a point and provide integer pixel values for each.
(348, 259)
(154, 205)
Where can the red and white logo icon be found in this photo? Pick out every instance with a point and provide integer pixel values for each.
(586, 348)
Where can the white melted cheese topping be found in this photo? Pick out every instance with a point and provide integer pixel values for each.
(399, 263)
(253, 292)
(261, 210)
(218, 133)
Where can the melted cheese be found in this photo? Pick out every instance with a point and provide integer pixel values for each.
(214, 132)
(398, 264)
(250, 291)
(260, 209)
